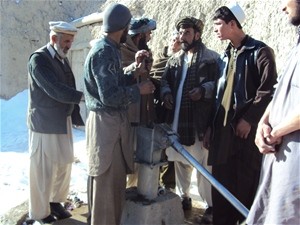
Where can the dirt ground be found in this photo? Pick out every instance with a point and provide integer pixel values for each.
(17, 215)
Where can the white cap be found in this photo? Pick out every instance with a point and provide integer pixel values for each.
(237, 11)
(62, 27)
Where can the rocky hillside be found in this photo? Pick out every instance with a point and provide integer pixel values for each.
(24, 27)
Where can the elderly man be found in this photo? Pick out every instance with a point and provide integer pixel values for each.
(187, 89)
(53, 105)
(278, 137)
(107, 95)
(245, 87)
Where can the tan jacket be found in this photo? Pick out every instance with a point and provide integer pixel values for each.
(143, 111)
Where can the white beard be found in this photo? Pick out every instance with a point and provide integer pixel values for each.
(59, 51)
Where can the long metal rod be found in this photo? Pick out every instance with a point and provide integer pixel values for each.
(233, 200)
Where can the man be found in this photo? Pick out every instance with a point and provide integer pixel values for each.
(107, 97)
(142, 112)
(139, 35)
(278, 137)
(167, 172)
(52, 100)
(158, 69)
(170, 49)
(187, 88)
(245, 86)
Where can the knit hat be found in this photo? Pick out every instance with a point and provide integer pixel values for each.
(115, 17)
(62, 27)
(141, 25)
(188, 21)
(237, 11)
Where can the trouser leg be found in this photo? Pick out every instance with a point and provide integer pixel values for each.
(132, 179)
(168, 175)
(247, 183)
(89, 198)
(223, 211)
(108, 192)
(40, 182)
(183, 174)
(204, 187)
(61, 183)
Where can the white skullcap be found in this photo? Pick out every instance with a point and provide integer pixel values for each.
(237, 11)
(62, 27)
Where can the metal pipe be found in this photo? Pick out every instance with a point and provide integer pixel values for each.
(233, 200)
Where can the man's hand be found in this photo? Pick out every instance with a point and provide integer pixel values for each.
(195, 94)
(168, 101)
(262, 133)
(140, 56)
(242, 129)
(206, 138)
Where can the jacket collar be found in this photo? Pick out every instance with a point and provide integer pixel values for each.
(247, 43)
(111, 41)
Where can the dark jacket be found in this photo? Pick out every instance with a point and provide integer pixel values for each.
(206, 74)
(254, 79)
(105, 83)
(255, 76)
(52, 94)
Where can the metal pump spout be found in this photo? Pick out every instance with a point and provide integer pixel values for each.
(150, 143)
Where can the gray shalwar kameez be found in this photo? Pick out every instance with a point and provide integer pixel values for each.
(278, 198)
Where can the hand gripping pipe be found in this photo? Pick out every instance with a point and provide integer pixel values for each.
(173, 139)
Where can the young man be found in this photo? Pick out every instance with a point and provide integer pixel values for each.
(278, 137)
(53, 106)
(245, 87)
(107, 96)
(187, 89)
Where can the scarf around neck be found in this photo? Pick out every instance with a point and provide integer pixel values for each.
(186, 126)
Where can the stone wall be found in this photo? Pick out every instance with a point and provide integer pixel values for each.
(24, 27)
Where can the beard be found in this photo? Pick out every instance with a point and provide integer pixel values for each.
(296, 19)
(60, 51)
(143, 43)
(124, 36)
(186, 46)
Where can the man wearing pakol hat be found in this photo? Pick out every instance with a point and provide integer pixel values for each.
(139, 35)
(108, 92)
(187, 89)
(53, 108)
(142, 112)
(245, 87)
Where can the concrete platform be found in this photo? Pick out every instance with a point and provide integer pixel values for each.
(165, 209)
(16, 215)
